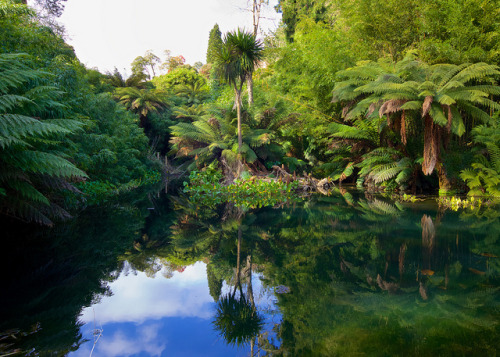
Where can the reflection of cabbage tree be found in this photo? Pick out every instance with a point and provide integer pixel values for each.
(237, 320)
(236, 316)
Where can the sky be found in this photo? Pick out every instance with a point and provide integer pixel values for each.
(159, 316)
(111, 33)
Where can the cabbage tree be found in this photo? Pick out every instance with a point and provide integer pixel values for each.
(237, 59)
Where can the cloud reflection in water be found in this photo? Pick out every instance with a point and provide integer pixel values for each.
(137, 298)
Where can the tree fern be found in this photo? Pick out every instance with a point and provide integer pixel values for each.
(386, 165)
(484, 177)
(26, 168)
(441, 94)
(214, 136)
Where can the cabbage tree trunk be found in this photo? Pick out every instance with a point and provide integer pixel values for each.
(250, 89)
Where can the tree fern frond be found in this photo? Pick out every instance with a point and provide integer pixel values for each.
(348, 132)
(6, 141)
(436, 112)
(68, 124)
(20, 126)
(403, 176)
(386, 173)
(485, 88)
(443, 73)
(471, 178)
(28, 192)
(474, 111)
(370, 161)
(494, 151)
(10, 101)
(476, 71)
(47, 164)
(24, 210)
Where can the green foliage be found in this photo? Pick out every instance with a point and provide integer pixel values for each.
(214, 44)
(408, 91)
(484, 177)
(306, 68)
(205, 188)
(387, 169)
(104, 141)
(237, 320)
(141, 101)
(214, 283)
(32, 168)
(293, 11)
(329, 37)
(20, 32)
(145, 66)
(178, 76)
(213, 136)
(238, 57)
(98, 192)
(116, 80)
(463, 203)
(112, 147)
(193, 93)
(373, 33)
(459, 32)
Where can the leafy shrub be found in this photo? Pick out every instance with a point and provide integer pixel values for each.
(205, 188)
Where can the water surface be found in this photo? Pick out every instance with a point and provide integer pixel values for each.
(347, 275)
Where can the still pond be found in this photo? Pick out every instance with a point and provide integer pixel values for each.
(346, 275)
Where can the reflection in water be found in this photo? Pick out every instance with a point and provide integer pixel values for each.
(340, 275)
(237, 318)
(137, 298)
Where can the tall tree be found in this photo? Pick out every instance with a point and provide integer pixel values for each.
(256, 11)
(214, 44)
(293, 10)
(53, 7)
(145, 65)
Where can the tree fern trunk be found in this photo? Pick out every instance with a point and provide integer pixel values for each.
(431, 145)
(444, 182)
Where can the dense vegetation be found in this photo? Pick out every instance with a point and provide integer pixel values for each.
(406, 102)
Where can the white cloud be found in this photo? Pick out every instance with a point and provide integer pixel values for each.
(121, 345)
(137, 298)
